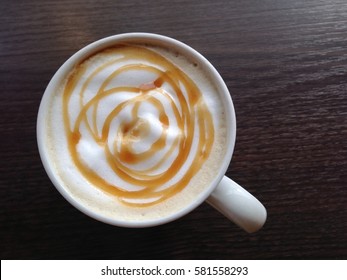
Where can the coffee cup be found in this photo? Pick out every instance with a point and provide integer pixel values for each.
(138, 129)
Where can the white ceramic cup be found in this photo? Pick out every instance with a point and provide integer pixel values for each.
(224, 194)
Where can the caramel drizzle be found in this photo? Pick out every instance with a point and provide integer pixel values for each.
(194, 115)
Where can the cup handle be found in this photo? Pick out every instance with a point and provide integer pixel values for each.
(238, 205)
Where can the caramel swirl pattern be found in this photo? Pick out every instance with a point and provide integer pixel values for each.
(176, 140)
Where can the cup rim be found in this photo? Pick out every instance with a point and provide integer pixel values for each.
(138, 37)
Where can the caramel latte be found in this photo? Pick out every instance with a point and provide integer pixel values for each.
(135, 131)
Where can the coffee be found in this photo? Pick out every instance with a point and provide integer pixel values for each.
(136, 131)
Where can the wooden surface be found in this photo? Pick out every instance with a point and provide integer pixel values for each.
(285, 64)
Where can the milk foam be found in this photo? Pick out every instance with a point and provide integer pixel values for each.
(92, 154)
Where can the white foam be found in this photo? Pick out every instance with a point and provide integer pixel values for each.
(92, 154)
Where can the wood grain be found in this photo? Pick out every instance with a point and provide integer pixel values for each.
(285, 63)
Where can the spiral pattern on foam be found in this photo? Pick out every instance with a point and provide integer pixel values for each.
(147, 117)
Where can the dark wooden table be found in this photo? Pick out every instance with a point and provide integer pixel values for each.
(285, 63)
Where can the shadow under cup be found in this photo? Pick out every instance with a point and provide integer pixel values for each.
(61, 169)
